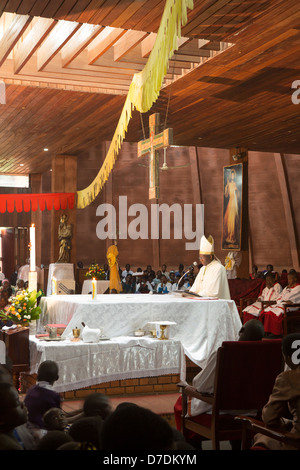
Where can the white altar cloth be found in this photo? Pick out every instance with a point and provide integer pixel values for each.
(85, 364)
(102, 286)
(201, 325)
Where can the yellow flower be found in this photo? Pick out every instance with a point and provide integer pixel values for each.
(19, 310)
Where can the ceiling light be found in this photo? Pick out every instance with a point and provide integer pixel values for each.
(46, 150)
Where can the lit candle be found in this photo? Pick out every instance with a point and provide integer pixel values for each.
(32, 247)
(53, 286)
(94, 289)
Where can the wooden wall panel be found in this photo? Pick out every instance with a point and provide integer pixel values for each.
(89, 248)
(266, 213)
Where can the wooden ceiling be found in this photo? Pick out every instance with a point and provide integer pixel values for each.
(67, 66)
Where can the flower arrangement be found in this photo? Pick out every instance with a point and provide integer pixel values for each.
(95, 272)
(22, 308)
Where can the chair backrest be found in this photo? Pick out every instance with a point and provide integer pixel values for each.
(246, 373)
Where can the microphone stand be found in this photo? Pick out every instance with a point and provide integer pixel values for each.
(184, 274)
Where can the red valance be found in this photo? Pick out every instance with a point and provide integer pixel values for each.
(27, 202)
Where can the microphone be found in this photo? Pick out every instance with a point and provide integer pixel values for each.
(192, 266)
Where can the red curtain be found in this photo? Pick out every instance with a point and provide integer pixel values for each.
(27, 202)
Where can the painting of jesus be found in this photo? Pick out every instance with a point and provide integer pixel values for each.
(232, 207)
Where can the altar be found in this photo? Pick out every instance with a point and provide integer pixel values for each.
(83, 365)
(201, 325)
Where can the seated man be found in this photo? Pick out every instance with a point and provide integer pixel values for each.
(165, 286)
(205, 379)
(182, 285)
(13, 413)
(128, 284)
(144, 286)
(271, 292)
(272, 316)
(126, 271)
(211, 281)
(283, 407)
(270, 269)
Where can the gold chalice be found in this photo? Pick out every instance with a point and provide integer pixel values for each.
(162, 330)
(76, 332)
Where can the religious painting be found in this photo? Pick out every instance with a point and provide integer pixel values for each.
(232, 207)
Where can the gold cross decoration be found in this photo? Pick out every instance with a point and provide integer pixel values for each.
(152, 145)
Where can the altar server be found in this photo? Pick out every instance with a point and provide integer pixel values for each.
(270, 293)
(272, 316)
(211, 281)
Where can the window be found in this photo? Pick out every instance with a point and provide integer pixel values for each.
(14, 181)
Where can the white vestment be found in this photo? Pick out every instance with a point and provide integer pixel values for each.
(211, 281)
(204, 382)
(289, 294)
(267, 294)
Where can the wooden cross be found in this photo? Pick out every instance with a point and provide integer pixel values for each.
(152, 145)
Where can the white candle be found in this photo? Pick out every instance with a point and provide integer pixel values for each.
(53, 286)
(32, 247)
(94, 289)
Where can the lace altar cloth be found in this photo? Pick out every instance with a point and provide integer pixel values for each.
(201, 324)
(86, 364)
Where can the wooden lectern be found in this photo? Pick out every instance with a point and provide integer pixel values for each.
(17, 350)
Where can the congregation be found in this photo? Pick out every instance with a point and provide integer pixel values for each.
(38, 422)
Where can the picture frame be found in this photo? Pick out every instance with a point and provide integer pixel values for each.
(232, 207)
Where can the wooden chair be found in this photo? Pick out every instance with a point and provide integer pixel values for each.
(250, 300)
(251, 426)
(245, 302)
(291, 319)
(244, 378)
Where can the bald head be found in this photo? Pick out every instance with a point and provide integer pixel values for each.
(252, 330)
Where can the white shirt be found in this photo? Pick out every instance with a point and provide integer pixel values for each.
(124, 273)
(211, 281)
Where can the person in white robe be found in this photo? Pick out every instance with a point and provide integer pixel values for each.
(270, 293)
(272, 316)
(204, 381)
(23, 273)
(211, 281)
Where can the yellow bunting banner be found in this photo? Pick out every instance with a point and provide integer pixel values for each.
(143, 91)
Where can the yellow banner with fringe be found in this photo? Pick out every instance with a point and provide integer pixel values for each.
(143, 91)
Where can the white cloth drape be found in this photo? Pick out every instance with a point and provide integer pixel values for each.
(201, 325)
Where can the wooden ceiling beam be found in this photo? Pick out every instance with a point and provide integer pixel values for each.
(130, 40)
(81, 39)
(11, 36)
(103, 42)
(58, 37)
(32, 41)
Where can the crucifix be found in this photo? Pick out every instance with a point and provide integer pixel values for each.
(153, 144)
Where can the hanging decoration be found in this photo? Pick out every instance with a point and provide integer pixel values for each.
(31, 202)
(143, 91)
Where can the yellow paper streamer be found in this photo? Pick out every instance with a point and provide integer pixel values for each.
(143, 91)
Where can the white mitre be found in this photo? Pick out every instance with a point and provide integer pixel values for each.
(206, 245)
